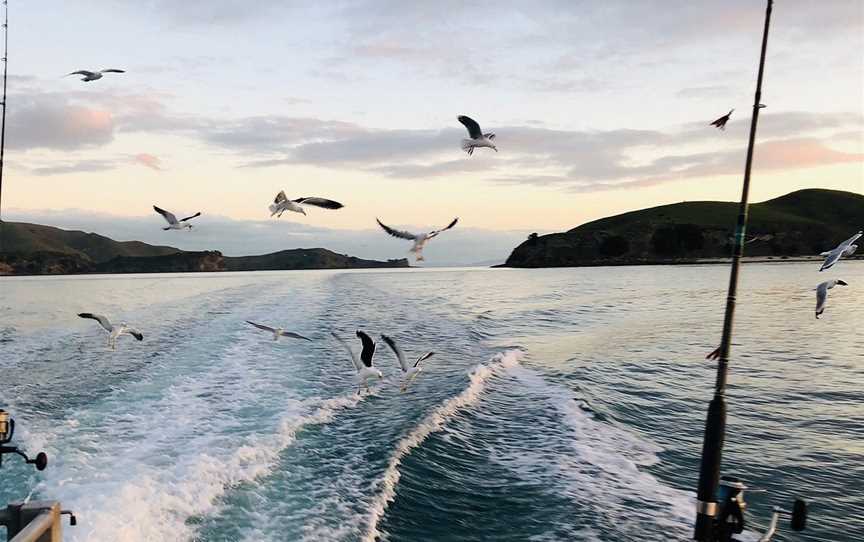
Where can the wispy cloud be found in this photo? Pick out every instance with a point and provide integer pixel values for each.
(148, 160)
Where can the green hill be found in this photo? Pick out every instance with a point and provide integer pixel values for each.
(33, 249)
(805, 222)
(305, 258)
(24, 238)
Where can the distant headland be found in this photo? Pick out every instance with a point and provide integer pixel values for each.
(33, 249)
(798, 225)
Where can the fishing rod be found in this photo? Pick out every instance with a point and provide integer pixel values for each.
(3, 121)
(720, 501)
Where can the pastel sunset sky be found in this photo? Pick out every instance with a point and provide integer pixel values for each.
(599, 107)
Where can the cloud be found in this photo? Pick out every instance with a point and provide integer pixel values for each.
(40, 122)
(148, 160)
(82, 166)
(463, 245)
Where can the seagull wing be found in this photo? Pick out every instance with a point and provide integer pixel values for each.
(113, 70)
(473, 128)
(294, 335)
(99, 318)
(259, 326)
(425, 356)
(821, 297)
(397, 233)
(396, 350)
(354, 359)
(851, 240)
(85, 73)
(166, 215)
(135, 333)
(368, 348)
(320, 202)
(832, 258)
(436, 232)
(280, 197)
(190, 217)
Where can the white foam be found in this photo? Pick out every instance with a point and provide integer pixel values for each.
(432, 423)
(154, 503)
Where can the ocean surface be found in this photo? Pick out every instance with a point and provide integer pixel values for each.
(561, 404)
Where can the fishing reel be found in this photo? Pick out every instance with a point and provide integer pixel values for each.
(7, 430)
(731, 508)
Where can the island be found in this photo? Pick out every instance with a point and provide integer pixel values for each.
(34, 249)
(799, 224)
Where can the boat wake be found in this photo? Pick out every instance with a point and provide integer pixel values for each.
(432, 423)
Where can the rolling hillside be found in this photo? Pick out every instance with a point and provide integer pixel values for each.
(805, 222)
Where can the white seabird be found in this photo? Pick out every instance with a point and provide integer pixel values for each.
(113, 330)
(420, 239)
(279, 332)
(363, 363)
(822, 294)
(173, 223)
(846, 248)
(477, 137)
(281, 204)
(411, 371)
(93, 76)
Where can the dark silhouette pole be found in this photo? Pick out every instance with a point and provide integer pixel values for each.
(3, 122)
(715, 424)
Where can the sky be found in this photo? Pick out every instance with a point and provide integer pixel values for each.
(599, 107)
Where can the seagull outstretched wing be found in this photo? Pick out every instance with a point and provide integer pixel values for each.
(294, 335)
(821, 298)
(368, 348)
(424, 357)
(168, 216)
(135, 333)
(473, 128)
(397, 233)
(99, 318)
(354, 359)
(113, 70)
(320, 202)
(396, 350)
(85, 73)
(190, 217)
(260, 326)
(436, 232)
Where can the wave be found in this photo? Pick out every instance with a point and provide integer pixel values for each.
(432, 423)
(156, 505)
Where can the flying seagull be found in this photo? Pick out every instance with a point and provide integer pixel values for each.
(93, 76)
(113, 330)
(411, 371)
(282, 204)
(822, 294)
(173, 223)
(363, 363)
(721, 122)
(279, 332)
(478, 138)
(420, 239)
(846, 248)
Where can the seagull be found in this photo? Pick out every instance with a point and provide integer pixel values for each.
(822, 294)
(363, 364)
(279, 332)
(282, 204)
(113, 330)
(409, 372)
(173, 223)
(846, 248)
(721, 122)
(93, 76)
(420, 239)
(478, 138)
